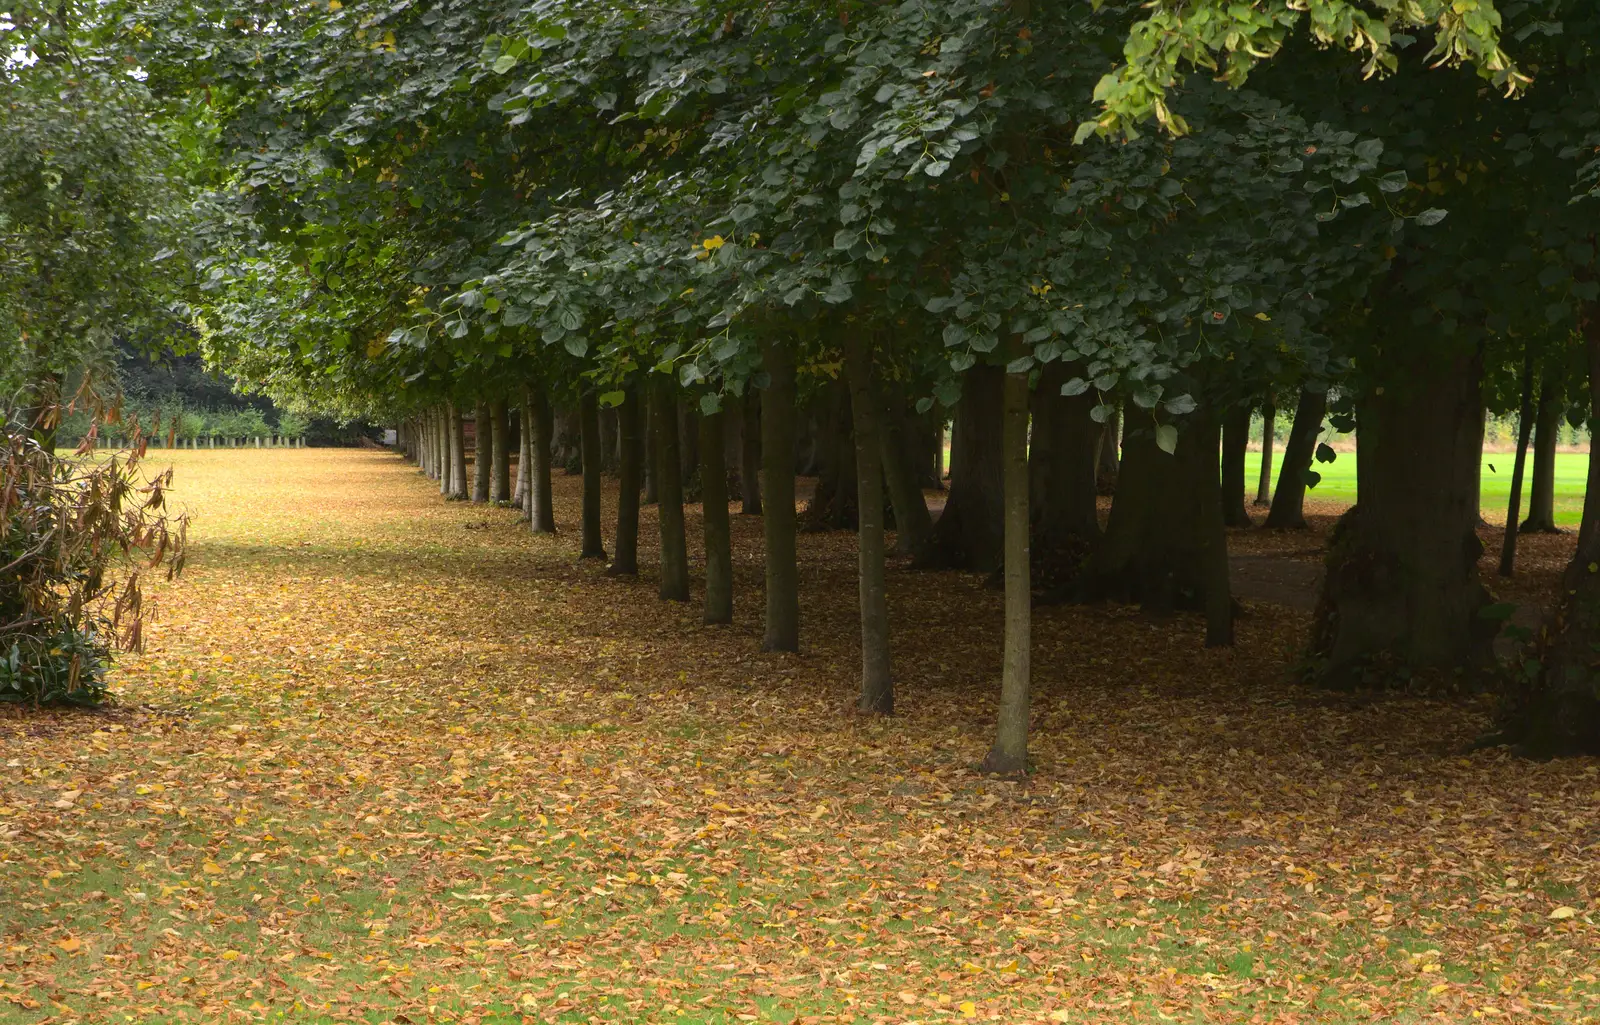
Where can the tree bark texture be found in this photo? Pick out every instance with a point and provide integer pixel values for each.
(1289, 501)
(541, 508)
(458, 456)
(499, 452)
(1508, 545)
(625, 558)
(669, 489)
(1542, 489)
(714, 520)
(782, 631)
(482, 456)
(593, 546)
(1009, 754)
(1235, 445)
(1269, 430)
(750, 454)
(1061, 465)
(970, 533)
(877, 684)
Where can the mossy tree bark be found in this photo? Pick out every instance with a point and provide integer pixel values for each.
(1235, 445)
(669, 490)
(877, 683)
(1269, 430)
(593, 546)
(1288, 510)
(1542, 489)
(1009, 754)
(625, 560)
(970, 533)
(541, 503)
(1402, 592)
(482, 454)
(714, 518)
(499, 453)
(782, 632)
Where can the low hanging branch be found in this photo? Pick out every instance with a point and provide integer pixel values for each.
(77, 534)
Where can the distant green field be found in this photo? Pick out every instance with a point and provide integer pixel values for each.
(1339, 483)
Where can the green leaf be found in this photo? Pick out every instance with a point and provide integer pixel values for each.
(504, 63)
(1076, 386)
(1326, 454)
(1167, 438)
(1311, 477)
(710, 404)
(1428, 218)
(612, 399)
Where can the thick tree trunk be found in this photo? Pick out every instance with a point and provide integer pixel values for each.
(669, 488)
(1558, 712)
(1200, 461)
(1542, 489)
(1269, 430)
(589, 438)
(833, 505)
(1235, 445)
(970, 533)
(625, 561)
(714, 516)
(913, 523)
(499, 453)
(777, 500)
(483, 457)
(1508, 546)
(1402, 592)
(688, 440)
(541, 504)
(750, 454)
(877, 685)
(611, 460)
(458, 456)
(1010, 751)
(649, 497)
(1165, 535)
(1061, 469)
(1109, 462)
(1289, 501)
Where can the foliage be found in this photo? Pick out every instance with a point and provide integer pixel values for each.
(76, 537)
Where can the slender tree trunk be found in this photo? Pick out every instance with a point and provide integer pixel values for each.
(1235, 444)
(444, 451)
(500, 453)
(970, 533)
(1508, 546)
(669, 488)
(524, 449)
(541, 503)
(458, 455)
(777, 501)
(625, 562)
(650, 475)
(750, 454)
(483, 456)
(714, 518)
(1009, 754)
(877, 685)
(1542, 490)
(1269, 430)
(1109, 470)
(593, 545)
(1401, 592)
(1289, 502)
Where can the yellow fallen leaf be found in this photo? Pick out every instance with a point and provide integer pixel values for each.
(230, 955)
(968, 1009)
(1563, 912)
(1434, 991)
(211, 868)
(71, 944)
(1061, 1015)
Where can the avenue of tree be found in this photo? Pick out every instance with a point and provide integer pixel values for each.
(706, 247)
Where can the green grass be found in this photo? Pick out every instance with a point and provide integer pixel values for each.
(1339, 483)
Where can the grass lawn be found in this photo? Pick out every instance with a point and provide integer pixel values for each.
(394, 760)
(1339, 483)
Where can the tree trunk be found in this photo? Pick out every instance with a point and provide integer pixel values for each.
(750, 454)
(688, 440)
(458, 456)
(1235, 445)
(832, 505)
(1401, 591)
(593, 546)
(1542, 490)
(777, 500)
(1109, 463)
(500, 453)
(669, 488)
(970, 533)
(444, 450)
(1558, 712)
(913, 523)
(524, 451)
(1269, 430)
(1289, 502)
(610, 461)
(1200, 460)
(877, 685)
(1009, 754)
(483, 457)
(938, 453)
(1508, 546)
(650, 445)
(714, 517)
(625, 561)
(1061, 468)
(541, 504)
